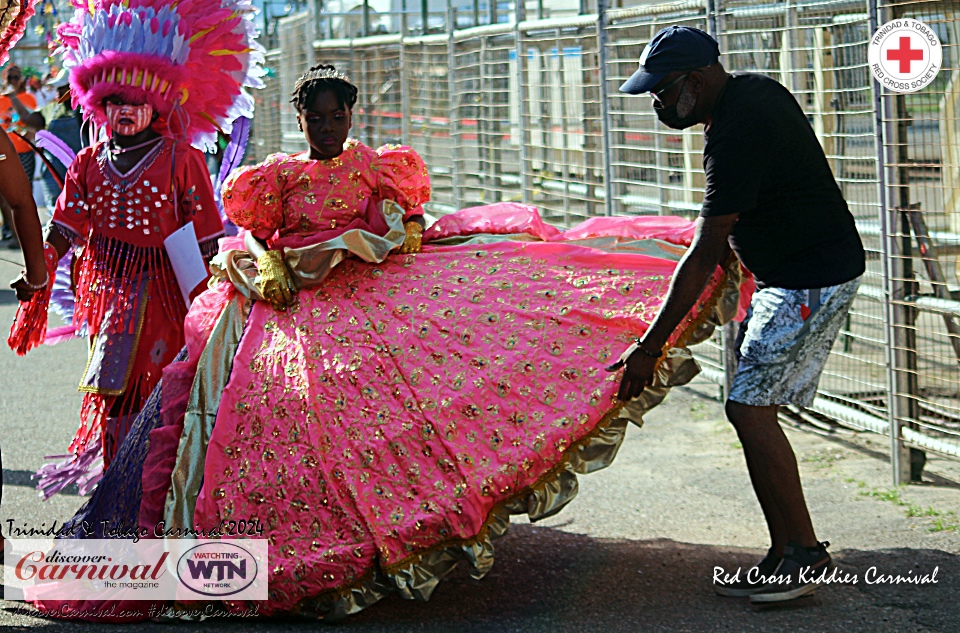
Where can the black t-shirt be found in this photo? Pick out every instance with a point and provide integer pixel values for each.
(763, 161)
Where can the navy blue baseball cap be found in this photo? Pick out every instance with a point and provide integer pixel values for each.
(673, 48)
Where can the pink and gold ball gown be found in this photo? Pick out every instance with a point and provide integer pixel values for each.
(384, 427)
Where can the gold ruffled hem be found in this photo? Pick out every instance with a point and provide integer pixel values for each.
(416, 576)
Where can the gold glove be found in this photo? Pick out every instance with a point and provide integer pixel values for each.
(412, 242)
(274, 281)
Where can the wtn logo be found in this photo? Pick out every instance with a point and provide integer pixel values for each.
(223, 568)
(218, 569)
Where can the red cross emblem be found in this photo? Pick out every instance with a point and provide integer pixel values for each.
(905, 55)
(894, 48)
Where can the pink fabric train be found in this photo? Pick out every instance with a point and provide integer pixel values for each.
(384, 426)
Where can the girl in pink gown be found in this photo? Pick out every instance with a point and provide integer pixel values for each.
(384, 416)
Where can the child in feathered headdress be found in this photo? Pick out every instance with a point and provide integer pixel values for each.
(142, 72)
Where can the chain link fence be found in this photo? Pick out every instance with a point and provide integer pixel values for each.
(529, 111)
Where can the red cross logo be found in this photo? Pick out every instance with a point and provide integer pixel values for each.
(905, 55)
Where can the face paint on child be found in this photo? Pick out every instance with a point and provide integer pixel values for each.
(128, 120)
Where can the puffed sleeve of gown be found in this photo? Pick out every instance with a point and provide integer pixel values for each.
(403, 178)
(253, 196)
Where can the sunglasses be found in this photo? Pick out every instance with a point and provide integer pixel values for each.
(657, 95)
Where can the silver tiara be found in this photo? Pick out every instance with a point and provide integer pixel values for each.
(325, 73)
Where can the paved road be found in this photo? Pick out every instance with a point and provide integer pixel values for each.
(634, 552)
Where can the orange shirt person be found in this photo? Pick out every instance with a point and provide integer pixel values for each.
(12, 118)
(17, 115)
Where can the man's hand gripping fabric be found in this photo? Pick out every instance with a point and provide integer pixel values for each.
(640, 365)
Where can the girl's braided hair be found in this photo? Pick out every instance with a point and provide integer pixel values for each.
(323, 77)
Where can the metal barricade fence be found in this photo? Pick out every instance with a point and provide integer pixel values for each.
(920, 219)
(563, 169)
(427, 74)
(269, 103)
(484, 129)
(529, 111)
(296, 40)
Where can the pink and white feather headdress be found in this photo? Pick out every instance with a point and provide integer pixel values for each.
(193, 60)
(13, 22)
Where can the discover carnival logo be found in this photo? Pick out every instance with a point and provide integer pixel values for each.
(119, 569)
(905, 55)
(56, 565)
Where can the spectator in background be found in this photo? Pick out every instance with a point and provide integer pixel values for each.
(34, 81)
(47, 93)
(63, 122)
(17, 116)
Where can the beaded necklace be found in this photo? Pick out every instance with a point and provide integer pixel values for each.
(116, 151)
(122, 182)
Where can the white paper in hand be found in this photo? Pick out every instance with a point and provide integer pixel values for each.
(185, 257)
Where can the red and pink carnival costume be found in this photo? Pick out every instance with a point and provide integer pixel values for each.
(127, 298)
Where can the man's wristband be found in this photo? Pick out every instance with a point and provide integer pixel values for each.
(646, 352)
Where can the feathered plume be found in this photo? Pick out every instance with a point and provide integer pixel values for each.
(13, 22)
(193, 61)
(232, 157)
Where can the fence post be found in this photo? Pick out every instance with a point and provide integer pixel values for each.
(525, 184)
(897, 404)
(454, 117)
(788, 48)
(314, 9)
(369, 125)
(902, 282)
(564, 127)
(404, 80)
(604, 107)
